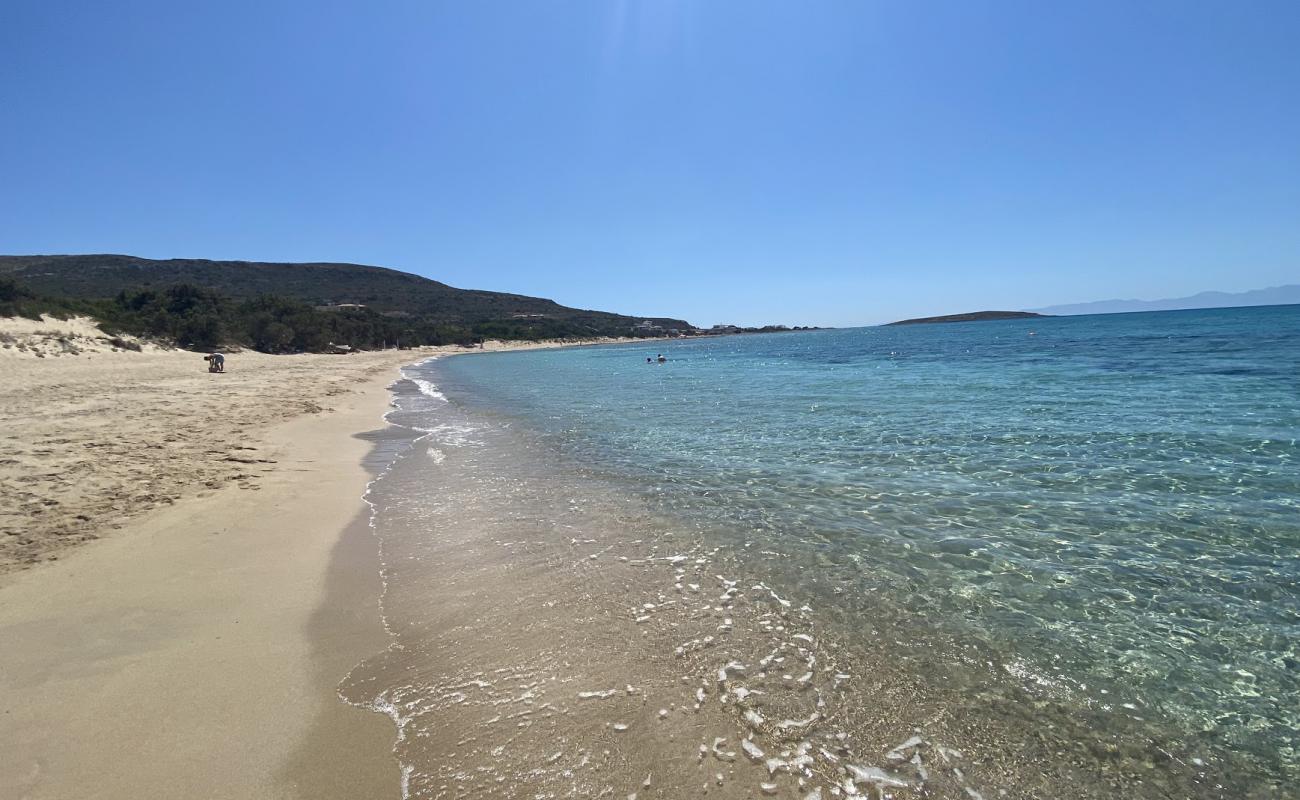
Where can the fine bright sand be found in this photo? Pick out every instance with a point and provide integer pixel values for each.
(185, 570)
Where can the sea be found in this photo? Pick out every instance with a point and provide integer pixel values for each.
(1050, 557)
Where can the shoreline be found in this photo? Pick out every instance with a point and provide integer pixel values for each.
(197, 650)
(206, 649)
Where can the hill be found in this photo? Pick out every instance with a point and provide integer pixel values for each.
(386, 291)
(974, 316)
(1273, 296)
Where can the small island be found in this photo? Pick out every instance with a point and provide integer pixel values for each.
(974, 316)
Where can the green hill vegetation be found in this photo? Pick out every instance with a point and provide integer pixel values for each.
(279, 308)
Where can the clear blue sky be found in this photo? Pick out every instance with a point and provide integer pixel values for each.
(801, 162)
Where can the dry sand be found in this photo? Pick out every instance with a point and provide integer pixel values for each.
(194, 649)
(92, 435)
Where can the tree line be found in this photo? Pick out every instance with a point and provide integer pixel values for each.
(202, 319)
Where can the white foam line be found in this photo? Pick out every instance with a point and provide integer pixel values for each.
(427, 388)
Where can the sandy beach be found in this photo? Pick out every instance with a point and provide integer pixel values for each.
(191, 584)
(186, 571)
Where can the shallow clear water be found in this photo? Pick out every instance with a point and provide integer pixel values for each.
(1107, 507)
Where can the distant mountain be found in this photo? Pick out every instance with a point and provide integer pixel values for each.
(973, 316)
(386, 291)
(1275, 296)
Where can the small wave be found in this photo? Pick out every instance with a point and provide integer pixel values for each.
(451, 435)
(426, 388)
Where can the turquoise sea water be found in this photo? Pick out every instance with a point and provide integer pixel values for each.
(1110, 504)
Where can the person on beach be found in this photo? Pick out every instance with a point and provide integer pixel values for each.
(216, 362)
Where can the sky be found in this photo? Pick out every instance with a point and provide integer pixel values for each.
(722, 161)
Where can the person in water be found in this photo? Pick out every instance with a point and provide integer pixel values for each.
(661, 358)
